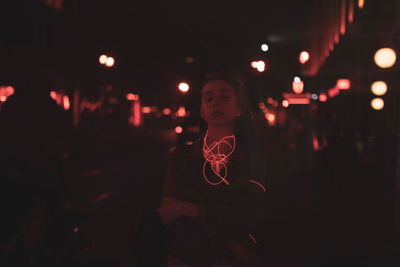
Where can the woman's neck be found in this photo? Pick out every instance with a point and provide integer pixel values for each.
(216, 134)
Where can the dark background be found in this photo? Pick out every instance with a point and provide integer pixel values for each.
(94, 185)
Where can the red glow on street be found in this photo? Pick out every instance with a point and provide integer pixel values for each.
(110, 62)
(166, 111)
(76, 229)
(53, 95)
(323, 97)
(333, 92)
(178, 129)
(137, 116)
(270, 100)
(350, 17)
(298, 87)
(304, 57)
(146, 110)
(132, 97)
(315, 142)
(360, 4)
(285, 103)
(9, 91)
(270, 117)
(298, 101)
(183, 87)
(181, 112)
(103, 59)
(343, 84)
(260, 185)
(343, 18)
(66, 102)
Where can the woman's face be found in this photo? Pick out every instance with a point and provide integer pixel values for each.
(219, 105)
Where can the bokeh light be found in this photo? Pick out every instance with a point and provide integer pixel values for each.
(264, 47)
(103, 59)
(323, 97)
(110, 62)
(385, 58)
(183, 87)
(285, 103)
(377, 103)
(304, 57)
(178, 129)
(379, 88)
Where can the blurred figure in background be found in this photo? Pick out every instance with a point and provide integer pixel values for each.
(33, 144)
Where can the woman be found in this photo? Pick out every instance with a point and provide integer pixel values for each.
(214, 192)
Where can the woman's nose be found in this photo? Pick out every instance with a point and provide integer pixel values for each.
(216, 101)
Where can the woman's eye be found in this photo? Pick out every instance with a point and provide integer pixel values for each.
(225, 97)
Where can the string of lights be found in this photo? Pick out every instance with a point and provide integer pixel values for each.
(217, 160)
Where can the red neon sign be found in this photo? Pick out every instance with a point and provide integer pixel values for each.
(343, 84)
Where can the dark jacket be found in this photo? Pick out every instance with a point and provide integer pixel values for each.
(227, 212)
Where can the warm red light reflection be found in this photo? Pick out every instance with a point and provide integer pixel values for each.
(137, 116)
(3, 98)
(285, 103)
(333, 92)
(166, 111)
(66, 102)
(315, 142)
(343, 84)
(53, 95)
(304, 57)
(76, 229)
(103, 59)
(360, 4)
(298, 101)
(146, 110)
(254, 64)
(110, 62)
(323, 97)
(261, 66)
(270, 117)
(132, 97)
(298, 87)
(343, 18)
(181, 112)
(178, 129)
(183, 87)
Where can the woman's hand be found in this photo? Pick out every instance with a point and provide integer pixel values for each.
(172, 208)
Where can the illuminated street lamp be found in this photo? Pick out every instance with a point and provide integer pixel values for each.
(385, 58)
(110, 62)
(379, 88)
(103, 59)
(183, 87)
(377, 103)
(304, 57)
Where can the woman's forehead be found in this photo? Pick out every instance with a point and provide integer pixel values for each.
(217, 85)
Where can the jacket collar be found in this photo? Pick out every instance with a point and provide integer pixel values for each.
(237, 156)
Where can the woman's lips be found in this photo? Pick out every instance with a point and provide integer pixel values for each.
(216, 113)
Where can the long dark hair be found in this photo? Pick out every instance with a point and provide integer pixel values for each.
(244, 127)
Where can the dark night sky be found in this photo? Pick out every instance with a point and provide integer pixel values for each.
(151, 39)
